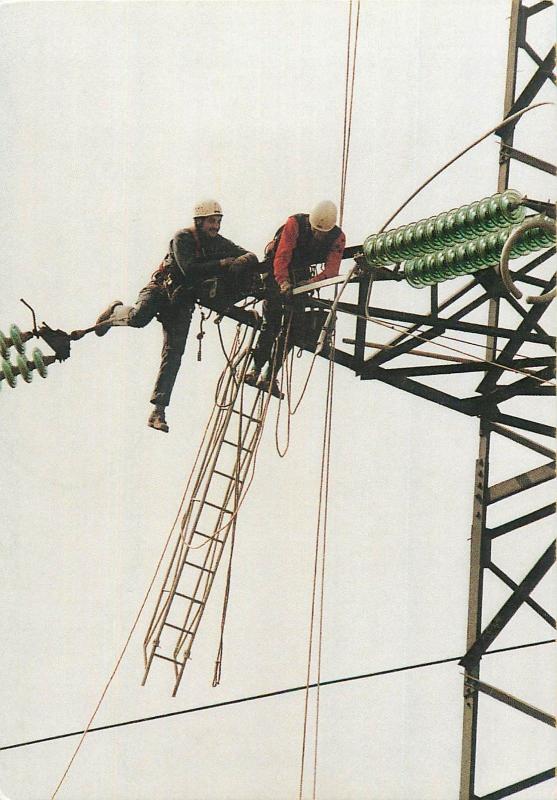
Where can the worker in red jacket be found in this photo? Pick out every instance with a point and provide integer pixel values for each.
(302, 242)
(196, 255)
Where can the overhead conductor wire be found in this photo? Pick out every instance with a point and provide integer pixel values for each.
(323, 508)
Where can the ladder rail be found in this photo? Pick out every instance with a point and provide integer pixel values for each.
(213, 425)
(248, 435)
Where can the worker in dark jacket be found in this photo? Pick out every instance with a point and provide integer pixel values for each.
(303, 241)
(195, 255)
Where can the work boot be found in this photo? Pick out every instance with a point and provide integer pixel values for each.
(157, 419)
(268, 385)
(251, 377)
(106, 314)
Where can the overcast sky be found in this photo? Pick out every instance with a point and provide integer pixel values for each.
(116, 118)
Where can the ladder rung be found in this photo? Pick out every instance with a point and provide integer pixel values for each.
(193, 599)
(206, 536)
(235, 444)
(231, 477)
(203, 569)
(220, 508)
(166, 658)
(247, 416)
(177, 628)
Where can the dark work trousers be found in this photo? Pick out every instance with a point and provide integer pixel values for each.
(175, 317)
(271, 334)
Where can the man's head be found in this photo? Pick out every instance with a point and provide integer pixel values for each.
(323, 218)
(207, 216)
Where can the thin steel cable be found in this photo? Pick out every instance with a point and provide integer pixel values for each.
(276, 693)
(131, 632)
(320, 546)
(325, 479)
(349, 127)
(401, 329)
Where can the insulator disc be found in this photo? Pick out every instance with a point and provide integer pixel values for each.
(4, 346)
(24, 370)
(15, 336)
(40, 366)
(8, 373)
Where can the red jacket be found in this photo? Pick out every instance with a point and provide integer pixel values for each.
(291, 251)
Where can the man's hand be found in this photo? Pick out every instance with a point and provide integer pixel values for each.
(226, 262)
(286, 289)
(248, 259)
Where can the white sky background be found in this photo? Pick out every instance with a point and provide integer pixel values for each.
(115, 119)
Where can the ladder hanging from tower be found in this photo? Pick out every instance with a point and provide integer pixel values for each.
(231, 441)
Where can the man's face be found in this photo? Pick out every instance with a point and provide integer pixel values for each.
(210, 226)
(319, 235)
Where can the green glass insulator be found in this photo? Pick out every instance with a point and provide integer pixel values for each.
(380, 250)
(423, 244)
(399, 245)
(419, 268)
(409, 273)
(15, 336)
(460, 224)
(4, 346)
(472, 226)
(485, 221)
(390, 250)
(510, 207)
(472, 257)
(450, 226)
(461, 260)
(24, 371)
(434, 267)
(492, 244)
(40, 366)
(439, 230)
(8, 373)
(369, 248)
(401, 240)
(419, 236)
(427, 272)
(408, 239)
(449, 261)
(430, 237)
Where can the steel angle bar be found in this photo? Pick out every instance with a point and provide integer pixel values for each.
(529, 385)
(508, 581)
(522, 273)
(507, 433)
(526, 158)
(421, 390)
(509, 608)
(444, 369)
(535, 9)
(524, 424)
(514, 343)
(521, 522)
(519, 483)
(543, 73)
(512, 701)
(513, 788)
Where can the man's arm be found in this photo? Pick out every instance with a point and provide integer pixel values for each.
(286, 245)
(332, 262)
(194, 269)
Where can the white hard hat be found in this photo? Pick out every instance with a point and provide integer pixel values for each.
(207, 208)
(324, 216)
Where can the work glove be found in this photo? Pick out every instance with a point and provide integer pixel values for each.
(226, 262)
(246, 260)
(286, 289)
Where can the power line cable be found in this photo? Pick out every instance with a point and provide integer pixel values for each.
(276, 693)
